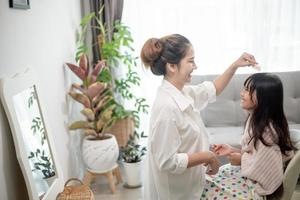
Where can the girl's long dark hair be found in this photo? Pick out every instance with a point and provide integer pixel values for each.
(268, 90)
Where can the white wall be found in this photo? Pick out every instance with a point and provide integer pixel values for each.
(42, 38)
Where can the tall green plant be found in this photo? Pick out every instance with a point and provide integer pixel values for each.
(117, 52)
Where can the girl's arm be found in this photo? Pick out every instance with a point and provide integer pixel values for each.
(224, 149)
(235, 159)
(235, 150)
(222, 80)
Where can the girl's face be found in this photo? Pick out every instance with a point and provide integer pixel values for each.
(186, 66)
(247, 102)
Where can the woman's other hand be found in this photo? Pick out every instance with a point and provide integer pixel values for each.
(235, 158)
(212, 165)
(245, 59)
(222, 149)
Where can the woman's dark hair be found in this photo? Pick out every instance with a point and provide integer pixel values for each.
(269, 110)
(156, 53)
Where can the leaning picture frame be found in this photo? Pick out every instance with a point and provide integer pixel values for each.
(19, 4)
(24, 106)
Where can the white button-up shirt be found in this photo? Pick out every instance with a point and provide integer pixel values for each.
(176, 130)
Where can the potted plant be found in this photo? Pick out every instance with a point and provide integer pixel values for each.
(118, 53)
(131, 156)
(100, 149)
(43, 163)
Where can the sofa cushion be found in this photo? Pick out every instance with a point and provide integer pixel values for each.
(294, 126)
(229, 113)
(295, 137)
(226, 135)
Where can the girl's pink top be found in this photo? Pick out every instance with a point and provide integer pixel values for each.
(263, 164)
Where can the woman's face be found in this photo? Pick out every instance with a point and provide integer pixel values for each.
(247, 102)
(186, 66)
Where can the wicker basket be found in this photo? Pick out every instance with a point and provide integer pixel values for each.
(122, 129)
(76, 192)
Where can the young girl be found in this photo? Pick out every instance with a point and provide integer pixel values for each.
(255, 170)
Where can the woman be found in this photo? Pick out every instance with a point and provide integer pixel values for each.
(178, 145)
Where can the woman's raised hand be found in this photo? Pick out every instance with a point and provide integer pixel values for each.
(222, 149)
(245, 59)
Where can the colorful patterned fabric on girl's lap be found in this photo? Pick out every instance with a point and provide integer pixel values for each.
(228, 184)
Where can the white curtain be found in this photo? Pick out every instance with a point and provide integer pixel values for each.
(219, 31)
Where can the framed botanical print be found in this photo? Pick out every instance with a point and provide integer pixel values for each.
(20, 4)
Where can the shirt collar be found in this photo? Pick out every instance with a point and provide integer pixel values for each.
(182, 101)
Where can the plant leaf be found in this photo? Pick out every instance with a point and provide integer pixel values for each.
(95, 88)
(98, 97)
(97, 70)
(90, 132)
(100, 124)
(86, 19)
(81, 98)
(80, 125)
(88, 113)
(84, 65)
(78, 87)
(78, 71)
(102, 102)
(104, 76)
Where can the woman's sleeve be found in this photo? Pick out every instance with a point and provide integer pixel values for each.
(202, 94)
(165, 143)
(263, 165)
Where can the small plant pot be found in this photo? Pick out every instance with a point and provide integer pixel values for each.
(100, 155)
(50, 180)
(133, 175)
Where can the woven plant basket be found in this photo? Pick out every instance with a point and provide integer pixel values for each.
(122, 129)
(76, 192)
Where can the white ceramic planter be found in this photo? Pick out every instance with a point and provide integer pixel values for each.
(133, 174)
(100, 155)
(50, 180)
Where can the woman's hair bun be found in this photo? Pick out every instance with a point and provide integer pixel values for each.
(151, 51)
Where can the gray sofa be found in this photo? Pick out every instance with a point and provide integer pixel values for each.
(225, 118)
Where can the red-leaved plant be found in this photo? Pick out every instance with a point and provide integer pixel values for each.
(95, 96)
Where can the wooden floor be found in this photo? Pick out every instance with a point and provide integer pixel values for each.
(102, 192)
